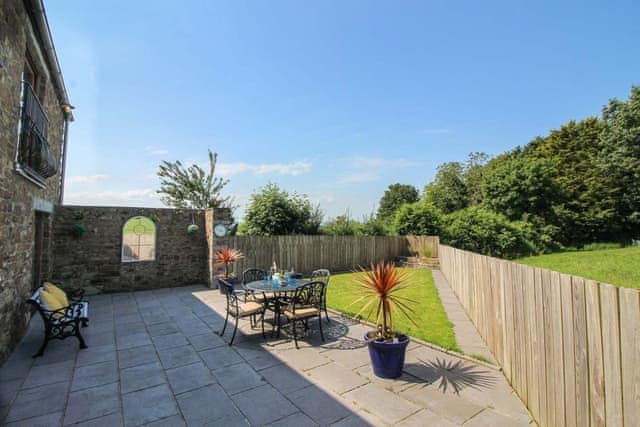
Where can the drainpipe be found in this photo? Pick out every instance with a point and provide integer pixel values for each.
(64, 156)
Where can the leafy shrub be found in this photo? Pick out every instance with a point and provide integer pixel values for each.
(418, 219)
(483, 231)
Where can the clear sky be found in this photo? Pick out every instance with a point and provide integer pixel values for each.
(333, 99)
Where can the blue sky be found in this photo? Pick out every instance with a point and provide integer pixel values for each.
(332, 99)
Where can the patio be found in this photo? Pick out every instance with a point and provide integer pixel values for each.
(154, 359)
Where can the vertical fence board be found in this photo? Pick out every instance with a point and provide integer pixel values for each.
(535, 354)
(630, 354)
(611, 354)
(596, 368)
(580, 351)
(555, 309)
(568, 351)
(541, 367)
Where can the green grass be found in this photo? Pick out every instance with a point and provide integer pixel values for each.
(434, 326)
(618, 267)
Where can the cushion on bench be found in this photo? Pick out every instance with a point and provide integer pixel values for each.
(57, 292)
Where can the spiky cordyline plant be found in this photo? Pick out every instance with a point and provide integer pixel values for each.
(380, 287)
(228, 256)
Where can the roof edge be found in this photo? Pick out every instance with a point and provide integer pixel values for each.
(42, 26)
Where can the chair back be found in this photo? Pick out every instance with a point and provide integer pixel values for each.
(252, 274)
(322, 275)
(309, 295)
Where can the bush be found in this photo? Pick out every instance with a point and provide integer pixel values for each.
(420, 219)
(483, 231)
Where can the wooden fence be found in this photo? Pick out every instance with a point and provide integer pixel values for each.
(308, 253)
(570, 347)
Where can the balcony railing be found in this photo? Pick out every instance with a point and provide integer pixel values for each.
(34, 157)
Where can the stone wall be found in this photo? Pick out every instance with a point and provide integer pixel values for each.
(20, 198)
(93, 261)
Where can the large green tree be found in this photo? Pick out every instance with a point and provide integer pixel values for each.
(419, 219)
(273, 211)
(448, 191)
(395, 196)
(621, 161)
(192, 187)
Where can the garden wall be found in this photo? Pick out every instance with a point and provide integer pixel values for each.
(93, 261)
(570, 347)
(308, 253)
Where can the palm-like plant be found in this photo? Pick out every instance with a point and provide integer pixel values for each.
(380, 287)
(227, 256)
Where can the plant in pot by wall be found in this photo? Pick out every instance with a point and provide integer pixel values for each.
(226, 257)
(78, 229)
(380, 289)
(192, 228)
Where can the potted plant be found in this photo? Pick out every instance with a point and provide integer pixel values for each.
(226, 257)
(379, 293)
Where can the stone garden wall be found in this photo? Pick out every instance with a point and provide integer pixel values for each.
(93, 261)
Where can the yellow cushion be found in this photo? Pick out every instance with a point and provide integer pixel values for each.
(57, 292)
(301, 313)
(52, 302)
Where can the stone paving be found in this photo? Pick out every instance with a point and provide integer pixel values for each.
(154, 359)
(467, 336)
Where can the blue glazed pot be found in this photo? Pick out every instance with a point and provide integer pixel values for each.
(387, 358)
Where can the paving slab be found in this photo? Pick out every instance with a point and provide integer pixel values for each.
(237, 378)
(137, 356)
(176, 339)
(94, 375)
(97, 354)
(336, 378)
(264, 405)
(150, 404)
(140, 377)
(206, 405)
(111, 420)
(294, 420)
(322, 407)
(92, 403)
(189, 377)
(384, 404)
(177, 356)
(48, 420)
(220, 358)
(285, 379)
(38, 401)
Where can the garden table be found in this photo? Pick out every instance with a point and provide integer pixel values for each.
(280, 291)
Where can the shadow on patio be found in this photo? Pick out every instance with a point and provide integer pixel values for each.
(154, 356)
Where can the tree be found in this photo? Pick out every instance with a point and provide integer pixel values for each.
(521, 187)
(448, 191)
(342, 225)
(191, 187)
(481, 230)
(474, 170)
(394, 197)
(621, 162)
(273, 211)
(420, 219)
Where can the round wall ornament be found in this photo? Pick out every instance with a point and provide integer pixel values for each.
(220, 230)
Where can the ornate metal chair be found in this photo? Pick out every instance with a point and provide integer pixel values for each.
(323, 275)
(305, 304)
(238, 309)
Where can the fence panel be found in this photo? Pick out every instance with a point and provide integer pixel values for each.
(308, 253)
(570, 347)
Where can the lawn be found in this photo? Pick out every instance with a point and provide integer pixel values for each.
(620, 267)
(434, 326)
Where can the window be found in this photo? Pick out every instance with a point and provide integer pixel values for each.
(138, 240)
(34, 158)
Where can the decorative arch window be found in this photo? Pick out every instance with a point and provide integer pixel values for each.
(138, 240)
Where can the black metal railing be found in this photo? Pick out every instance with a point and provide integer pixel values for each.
(35, 157)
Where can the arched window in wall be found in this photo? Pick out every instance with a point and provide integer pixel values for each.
(138, 240)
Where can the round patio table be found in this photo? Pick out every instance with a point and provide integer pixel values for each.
(280, 292)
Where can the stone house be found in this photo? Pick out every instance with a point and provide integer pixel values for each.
(34, 117)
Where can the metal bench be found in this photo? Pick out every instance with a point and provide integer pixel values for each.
(64, 322)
